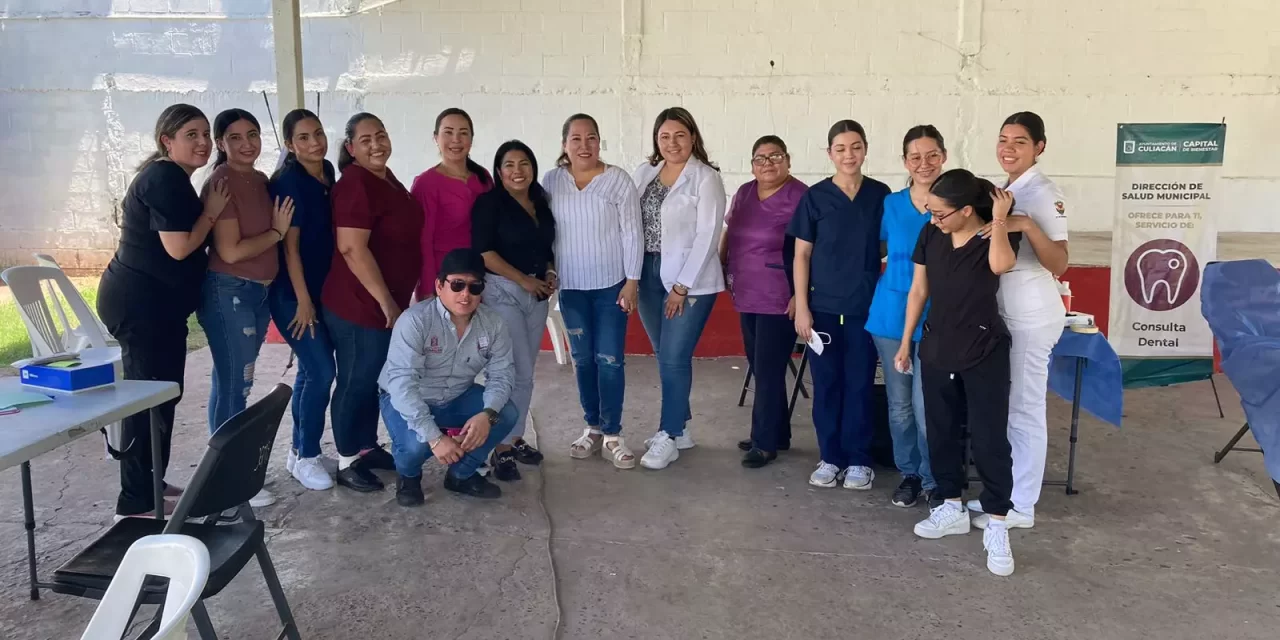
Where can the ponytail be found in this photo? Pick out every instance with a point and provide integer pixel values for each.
(478, 171)
(960, 188)
(344, 157)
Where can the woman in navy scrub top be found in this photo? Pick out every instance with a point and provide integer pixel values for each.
(837, 263)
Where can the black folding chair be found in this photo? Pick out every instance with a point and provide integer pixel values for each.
(233, 469)
(797, 390)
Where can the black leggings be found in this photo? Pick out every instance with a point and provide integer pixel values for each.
(977, 397)
(148, 321)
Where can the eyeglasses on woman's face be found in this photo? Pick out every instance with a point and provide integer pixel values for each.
(773, 158)
(932, 158)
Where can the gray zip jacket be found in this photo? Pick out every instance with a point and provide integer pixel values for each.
(427, 364)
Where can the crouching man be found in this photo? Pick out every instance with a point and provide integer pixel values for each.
(430, 401)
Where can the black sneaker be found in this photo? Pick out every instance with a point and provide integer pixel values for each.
(409, 491)
(908, 492)
(379, 458)
(504, 465)
(757, 458)
(357, 477)
(475, 486)
(525, 454)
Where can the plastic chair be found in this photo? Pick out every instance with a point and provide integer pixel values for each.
(556, 329)
(182, 559)
(83, 339)
(232, 471)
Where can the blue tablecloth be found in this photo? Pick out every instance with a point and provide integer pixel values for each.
(1102, 389)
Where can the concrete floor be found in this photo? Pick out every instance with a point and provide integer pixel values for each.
(1161, 543)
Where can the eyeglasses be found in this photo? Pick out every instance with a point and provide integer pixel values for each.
(933, 157)
(474, 288)
(940, 218)
(773, 158)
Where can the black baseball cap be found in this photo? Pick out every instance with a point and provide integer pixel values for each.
(462, 262)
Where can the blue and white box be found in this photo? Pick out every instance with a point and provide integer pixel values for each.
(87, 374)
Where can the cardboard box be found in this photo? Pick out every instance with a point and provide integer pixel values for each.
(68, 377)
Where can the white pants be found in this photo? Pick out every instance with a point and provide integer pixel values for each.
(1028, 420)
(526, 320)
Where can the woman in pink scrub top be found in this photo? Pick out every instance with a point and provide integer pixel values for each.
(752, 249)
(446, 193)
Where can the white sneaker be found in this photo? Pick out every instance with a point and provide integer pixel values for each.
(825, 475)
(662, 452)
(310, 473)
(1014, 520)
(291, 460)
(950, 519)
(999, 554)
(262, 499)
(682, 442)
(859, 478)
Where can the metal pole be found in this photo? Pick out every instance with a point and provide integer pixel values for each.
(1075, 427)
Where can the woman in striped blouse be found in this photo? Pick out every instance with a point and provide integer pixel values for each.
(598, 258)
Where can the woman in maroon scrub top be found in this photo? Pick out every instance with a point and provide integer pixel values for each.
(378, 230)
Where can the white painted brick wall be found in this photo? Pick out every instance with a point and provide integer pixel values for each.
(72, 127)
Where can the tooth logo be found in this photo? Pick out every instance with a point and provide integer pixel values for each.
(1161, 275)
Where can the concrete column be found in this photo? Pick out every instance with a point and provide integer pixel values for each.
(286, 26)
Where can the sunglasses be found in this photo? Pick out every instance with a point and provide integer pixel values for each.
(474, 288)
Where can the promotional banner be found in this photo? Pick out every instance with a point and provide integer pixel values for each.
(1164, 235)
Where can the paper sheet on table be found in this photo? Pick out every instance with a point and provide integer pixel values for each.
(19, 399)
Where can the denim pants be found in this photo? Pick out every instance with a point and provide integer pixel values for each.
(411, 450)
(673, 340)
(906, 412)
(769, 339)
(314, 382)
(359, 353)
(597, 329)
(526, 320)
(842, 379)
(233, 312)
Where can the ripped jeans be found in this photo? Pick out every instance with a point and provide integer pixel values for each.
(597, 329)
(234, 314)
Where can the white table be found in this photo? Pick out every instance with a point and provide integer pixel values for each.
(37, 430)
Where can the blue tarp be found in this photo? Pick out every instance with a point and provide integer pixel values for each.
(1241, 302)
(1102, 388)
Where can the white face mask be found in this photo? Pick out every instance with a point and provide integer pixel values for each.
(817, 339)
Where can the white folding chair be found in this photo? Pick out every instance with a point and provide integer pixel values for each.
(182, 559)
(555, 328)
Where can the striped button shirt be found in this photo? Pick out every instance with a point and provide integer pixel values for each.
(599, 239)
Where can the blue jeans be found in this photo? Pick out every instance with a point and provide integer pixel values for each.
(597, 329)
(906, 412)
(842, 379)
(359, 352)
(411, 450)
(673, 340)
(314, 382)
(233, 313)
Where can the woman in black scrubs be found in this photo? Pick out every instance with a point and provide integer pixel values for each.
(837, 263)
(964, 353)
(153, 284)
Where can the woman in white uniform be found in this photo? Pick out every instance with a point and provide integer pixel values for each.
(1030, 306)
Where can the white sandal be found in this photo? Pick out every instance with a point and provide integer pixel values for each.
(584, 447)
(616, 450)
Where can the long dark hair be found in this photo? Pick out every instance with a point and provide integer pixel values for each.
(536, 192)
(1028, 120)
(681, 115)
(563, 160)
(960, 188)
(290, 123)
(223, 122)
(171, 121)
(344, 156)
(472, 166)
(846, 126)
(922, 131)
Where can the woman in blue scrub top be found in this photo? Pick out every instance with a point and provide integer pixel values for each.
(923, 154)
(837, 263)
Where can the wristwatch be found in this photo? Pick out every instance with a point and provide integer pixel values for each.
(493, 416)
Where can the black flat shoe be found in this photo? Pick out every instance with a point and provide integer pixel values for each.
(476, 486)
(504, 466)
(358, 478)
(757, 458)
(379, 458)
(744, 445)
(409, 491)
(525, 453)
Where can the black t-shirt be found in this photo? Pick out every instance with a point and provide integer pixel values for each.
(160, 198)
(964, 323)
(500, 224)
